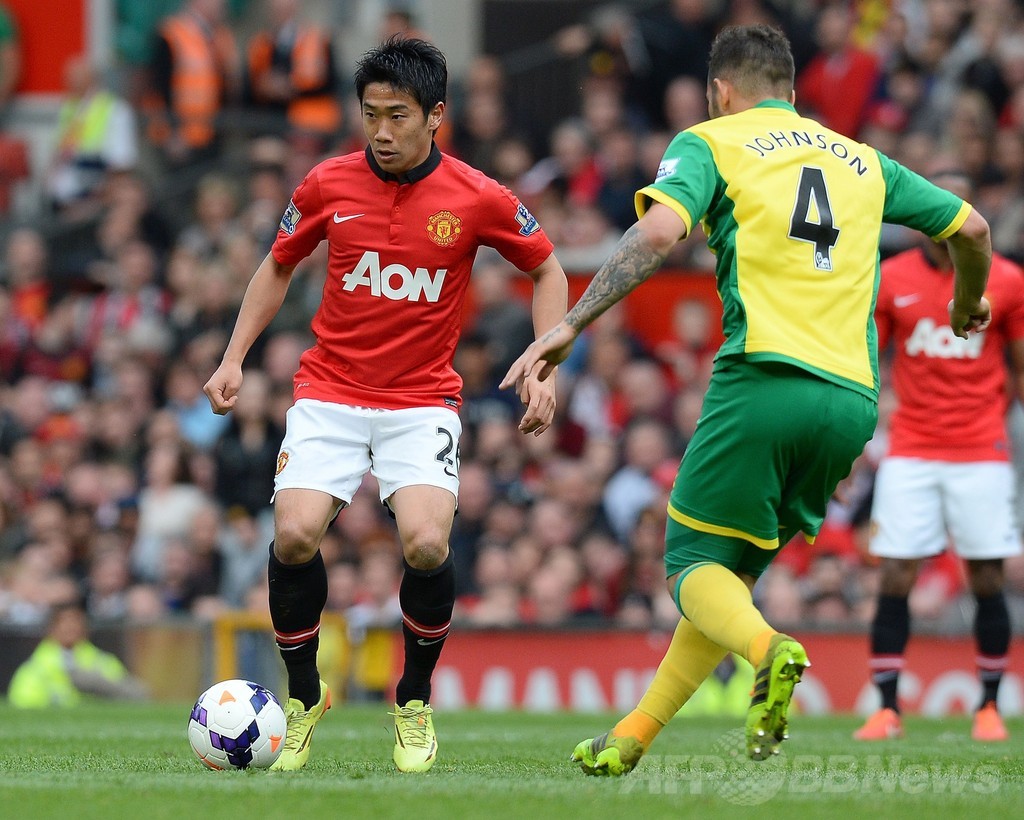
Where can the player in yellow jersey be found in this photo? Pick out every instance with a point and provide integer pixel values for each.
(793, 212)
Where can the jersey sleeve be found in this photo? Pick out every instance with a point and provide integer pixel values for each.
(508, 226)
(1013, 308)
(686, 182)
(913, 201)
(883, 307)
(303, 225)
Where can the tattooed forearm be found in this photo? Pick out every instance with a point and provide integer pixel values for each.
(632, 262)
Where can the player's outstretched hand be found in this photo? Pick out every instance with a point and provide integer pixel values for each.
(963, 321)
(553, 348)
(222, 388)
(539, 398)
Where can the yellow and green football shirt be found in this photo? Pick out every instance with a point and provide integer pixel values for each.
(793, 213)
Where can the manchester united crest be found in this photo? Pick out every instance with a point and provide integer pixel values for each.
(282, 461)
(444, 227)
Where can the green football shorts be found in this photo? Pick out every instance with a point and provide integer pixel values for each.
(772, 443)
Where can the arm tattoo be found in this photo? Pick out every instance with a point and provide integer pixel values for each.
(632, 263)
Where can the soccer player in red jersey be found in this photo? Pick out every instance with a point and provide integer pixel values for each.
(947, 472)
(377, 391)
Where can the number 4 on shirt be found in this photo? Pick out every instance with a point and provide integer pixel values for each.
(812, 199)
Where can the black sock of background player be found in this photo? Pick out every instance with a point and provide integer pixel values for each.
(890, 631)
(992, 635)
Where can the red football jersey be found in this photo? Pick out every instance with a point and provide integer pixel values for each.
(952, 392)
(400, 254)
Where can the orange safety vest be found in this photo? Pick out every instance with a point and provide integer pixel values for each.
(197, 80)
(320, 113)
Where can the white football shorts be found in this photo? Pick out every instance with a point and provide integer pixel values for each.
(921, 506)
(330, 447)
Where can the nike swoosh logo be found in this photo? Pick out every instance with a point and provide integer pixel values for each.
(906, 301)
(340, 219)
(422, 642)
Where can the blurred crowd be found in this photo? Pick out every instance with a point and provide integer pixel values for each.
(117, 482)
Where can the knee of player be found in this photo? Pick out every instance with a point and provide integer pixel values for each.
(295, 542)
(986, 577)
(897, 577)
(425, 550)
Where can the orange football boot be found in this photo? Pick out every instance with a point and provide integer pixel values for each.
(885, 724)
(988, 724)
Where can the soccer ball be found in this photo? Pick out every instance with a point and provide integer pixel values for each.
(237, 724)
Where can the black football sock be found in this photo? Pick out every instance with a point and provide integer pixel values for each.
(890, 631)
(298, 594)
(992, 636)
(427, 598)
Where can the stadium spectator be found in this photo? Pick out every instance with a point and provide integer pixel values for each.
(585, 237)
(569, 175)
(500, 317)
(27, 278)
(579, 488)
(512, 157)
(246, 453)
(199, 427)
(402, 86)
(14, 159)
(604, 563)
(601, 107)
(685, 103)
(947, 468)
(95, 138)
(291, 77)
(497, 600)
(726, 524)
(476, 493)
(643, 52)
(377, 603)
(646, 445)
(243, 558)
(779, 597)
(107, 583)
(621, 176)
(548, 600)
(67, 669)
(482, 118)
(590, 401)
(168, 502)
(838, 83)
(216, 213)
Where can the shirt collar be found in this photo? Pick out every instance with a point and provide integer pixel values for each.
(773, 103)
(421, 171)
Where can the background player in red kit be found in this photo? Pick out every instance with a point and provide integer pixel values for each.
(377, 392)
(947, 473)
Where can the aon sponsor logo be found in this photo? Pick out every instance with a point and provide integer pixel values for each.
(939, 342)
(395, 281)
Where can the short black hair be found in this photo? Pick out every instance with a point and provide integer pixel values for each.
(756, 59)
(407, 64)
(950, 172)
(72, 603)
(943, 174)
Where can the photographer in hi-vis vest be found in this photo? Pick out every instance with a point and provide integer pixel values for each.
(290, 78)
(193, 73)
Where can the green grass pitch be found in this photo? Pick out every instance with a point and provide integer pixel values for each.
(119, 761)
